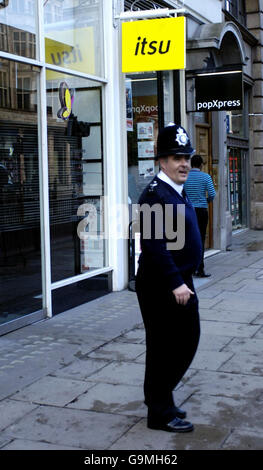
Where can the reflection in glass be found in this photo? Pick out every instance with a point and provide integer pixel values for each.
(18, 28)
(20, 264)
(74, 35)
(142, 129)
(75, 173)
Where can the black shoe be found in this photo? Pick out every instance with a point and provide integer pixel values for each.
(179, 413)
(176, 425)
(202, 274)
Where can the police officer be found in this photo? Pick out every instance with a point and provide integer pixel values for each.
(164, 284)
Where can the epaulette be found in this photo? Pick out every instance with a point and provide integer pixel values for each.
(152, 186)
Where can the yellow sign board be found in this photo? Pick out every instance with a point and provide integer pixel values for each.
(72, 49)
(157, 44)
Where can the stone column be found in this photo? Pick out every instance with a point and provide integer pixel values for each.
(254, 9)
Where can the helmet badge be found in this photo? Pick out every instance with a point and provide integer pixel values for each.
(181, 137)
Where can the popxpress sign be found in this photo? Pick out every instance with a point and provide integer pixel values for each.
(219, 91)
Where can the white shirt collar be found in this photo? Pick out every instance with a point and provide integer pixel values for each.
(178, 187)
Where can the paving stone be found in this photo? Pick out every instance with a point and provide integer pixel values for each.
(229, 412)
(244, 363)
(204, 361)
(225, 384)
(250, 286)
(120, 372)
(118, 351)
(243, 345)
(243, 302)
(209, 342)
(228, 329)
(73, 428)
(259, 334)
(243, 440)
(4, 441)
(24, 444)
(229, 316)
(258, 320)
(140, 359)
(81, 369)
(10, 411)
(210, 293)
(55, 391)
(139, 437)
(258, 264)
(134, 336)
(208, 303)
(109, 398)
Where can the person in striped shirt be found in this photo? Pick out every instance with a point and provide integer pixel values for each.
(200, 190)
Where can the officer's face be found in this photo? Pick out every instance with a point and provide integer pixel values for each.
(176, 167)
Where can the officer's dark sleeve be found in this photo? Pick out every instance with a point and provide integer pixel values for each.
(154, 247)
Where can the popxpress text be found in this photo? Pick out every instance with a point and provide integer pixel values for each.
(216, 105)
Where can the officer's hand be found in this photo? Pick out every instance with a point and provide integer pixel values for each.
(182, 294)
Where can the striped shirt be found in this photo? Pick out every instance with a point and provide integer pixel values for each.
(199, 188)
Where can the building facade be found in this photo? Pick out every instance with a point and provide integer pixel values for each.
(77, 140)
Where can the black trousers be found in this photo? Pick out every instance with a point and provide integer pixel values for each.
(202, 218)
(172, 336)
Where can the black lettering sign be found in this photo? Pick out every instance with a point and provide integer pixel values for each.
(144, 47)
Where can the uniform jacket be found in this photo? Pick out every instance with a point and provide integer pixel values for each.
(157, 263)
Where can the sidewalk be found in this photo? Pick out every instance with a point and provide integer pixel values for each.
(75, 381)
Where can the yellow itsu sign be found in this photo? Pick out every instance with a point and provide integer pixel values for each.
(157, 44)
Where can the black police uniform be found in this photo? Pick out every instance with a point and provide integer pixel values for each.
(172, 330)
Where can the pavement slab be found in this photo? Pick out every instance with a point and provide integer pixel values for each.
(136, 335)
(68, 427)
(56, 391)
(25, 444)
(209, 342)
(215, 361)
(244, 363)
(243, 440)
(259, 333)
(225, 384)
(230, 316)
(11, 411)
(229, 412)
(110, 398)
(139, 437)
(81, 369)
(120, 373)
(245, 345)
(228, 329)
(118, 351)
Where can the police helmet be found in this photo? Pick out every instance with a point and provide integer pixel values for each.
(173, 140)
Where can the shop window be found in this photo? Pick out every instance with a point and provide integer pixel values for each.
(142, 130)
(76, 187)
(18, 36)
(20, 258)
(74, 35)
(237, 186)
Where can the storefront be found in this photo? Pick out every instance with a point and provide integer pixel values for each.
(77, 144)
(54, 142)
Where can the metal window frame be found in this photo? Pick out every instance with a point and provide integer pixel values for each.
(47, 285)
